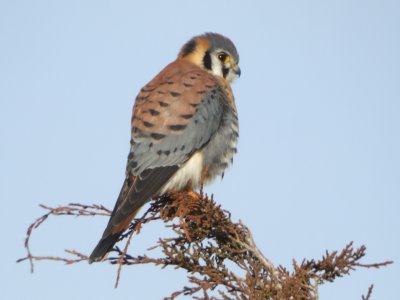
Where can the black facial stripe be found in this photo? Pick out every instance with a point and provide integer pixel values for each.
(225, 72)
(207, 60)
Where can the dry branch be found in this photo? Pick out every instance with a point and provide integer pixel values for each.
(369, 293)
(206, 242)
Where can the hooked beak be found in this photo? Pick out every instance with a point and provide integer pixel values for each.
(237, 71)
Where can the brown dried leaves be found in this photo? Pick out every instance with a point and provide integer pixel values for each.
(221, 257)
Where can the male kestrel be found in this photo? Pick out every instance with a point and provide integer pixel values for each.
(184, 130)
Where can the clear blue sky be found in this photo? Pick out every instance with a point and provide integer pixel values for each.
(319, 154)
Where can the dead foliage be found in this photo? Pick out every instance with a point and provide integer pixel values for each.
(207, 244)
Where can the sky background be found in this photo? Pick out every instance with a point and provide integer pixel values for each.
(319, 107)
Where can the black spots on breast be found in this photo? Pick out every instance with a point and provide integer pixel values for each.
(176, 149)
(174, 94)
(194, 105)
(186, 116)
(161, 92)
(183, 148)
(201, 92)
(157, 136)
(177, 127)
(163, 104)
(154, 112)
(188, 85)
(192, 77)
(148, 124)
(150, 145)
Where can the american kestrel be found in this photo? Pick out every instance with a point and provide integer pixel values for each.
(184, 130)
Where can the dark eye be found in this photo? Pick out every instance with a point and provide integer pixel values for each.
(222, 56)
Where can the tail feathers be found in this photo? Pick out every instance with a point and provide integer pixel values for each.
(104, 245)
(135, 192)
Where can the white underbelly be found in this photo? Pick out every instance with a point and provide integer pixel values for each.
(188, 174)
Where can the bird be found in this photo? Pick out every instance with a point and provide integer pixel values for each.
(184, 130)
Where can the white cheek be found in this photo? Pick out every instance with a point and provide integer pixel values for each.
(231, 76)
(216, 66)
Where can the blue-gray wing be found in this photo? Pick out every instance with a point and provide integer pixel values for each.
(175, 115)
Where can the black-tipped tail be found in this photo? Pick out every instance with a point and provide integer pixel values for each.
(102, 248)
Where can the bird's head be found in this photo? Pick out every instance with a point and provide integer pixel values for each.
(213, 53)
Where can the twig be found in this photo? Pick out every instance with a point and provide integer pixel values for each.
(73, 209)
(375, 265)
(252, 247)
(121, 258)
(369, 293)
(205, 243)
